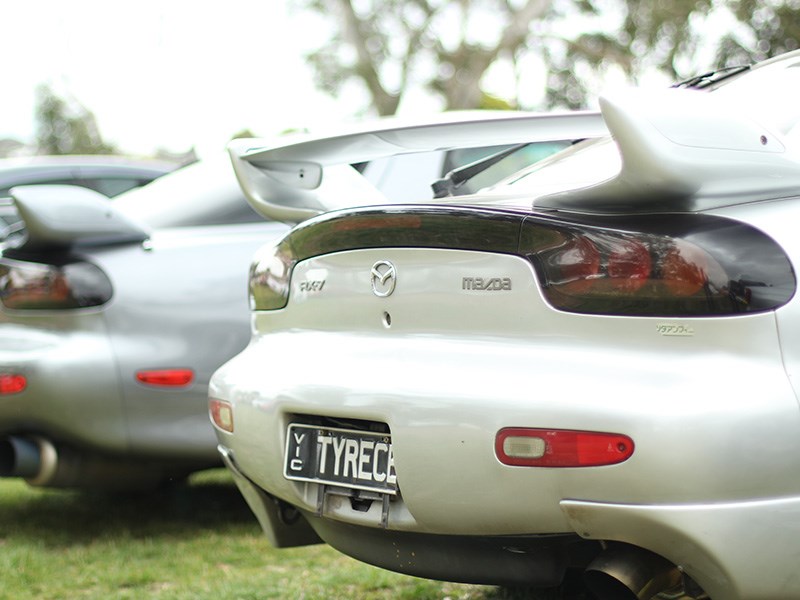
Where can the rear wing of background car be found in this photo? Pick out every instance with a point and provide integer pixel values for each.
(58, 216)
(297, 177)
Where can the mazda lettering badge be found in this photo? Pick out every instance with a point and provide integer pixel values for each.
(384, 278)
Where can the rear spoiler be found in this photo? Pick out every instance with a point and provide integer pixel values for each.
(64, 215)
(685, 150)
(297, 177)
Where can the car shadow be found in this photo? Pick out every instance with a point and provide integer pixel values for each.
(179, 510)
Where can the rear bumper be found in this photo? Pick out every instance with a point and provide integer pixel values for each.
(713, 417)
(72, 391)
(538, 561)
(529, 560)
(723, 433)
(735, 551)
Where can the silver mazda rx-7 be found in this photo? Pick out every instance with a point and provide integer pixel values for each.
(113, 316)
(584, 376)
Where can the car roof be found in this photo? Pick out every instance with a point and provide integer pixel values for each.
(14, 167)
(187, 196)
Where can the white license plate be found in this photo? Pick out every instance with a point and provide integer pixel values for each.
(342, 457)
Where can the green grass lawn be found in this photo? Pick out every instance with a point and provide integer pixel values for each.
(191, 541)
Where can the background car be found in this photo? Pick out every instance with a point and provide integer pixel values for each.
(582, 379)
(114, 315)
(107, 174)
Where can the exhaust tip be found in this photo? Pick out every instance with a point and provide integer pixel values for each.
(19, 457)
(629, 573)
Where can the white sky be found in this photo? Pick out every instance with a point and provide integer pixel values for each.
(163, 73)
(177, 74)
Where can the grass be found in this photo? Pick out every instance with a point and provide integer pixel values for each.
(191, 541)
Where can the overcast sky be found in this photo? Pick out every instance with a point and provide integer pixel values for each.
(163, 73)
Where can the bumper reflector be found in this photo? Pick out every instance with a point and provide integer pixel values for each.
(526, 447)
(12, 384)
(166, 377)
(221, 414)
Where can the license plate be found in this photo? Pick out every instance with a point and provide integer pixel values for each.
(353, 459)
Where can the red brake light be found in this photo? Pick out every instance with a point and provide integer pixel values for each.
(12, 383)
(525, 447)
(166, 377)
(221, 414)
(619, 269)
(685, 269)
(577, 264)
(629, 265)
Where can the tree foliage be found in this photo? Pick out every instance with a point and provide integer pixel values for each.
(773, 28)
(448, 47)
(66, 126)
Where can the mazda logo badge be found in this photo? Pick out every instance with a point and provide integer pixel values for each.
(384, 278)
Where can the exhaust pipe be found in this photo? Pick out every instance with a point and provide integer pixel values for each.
(40, 463)
(625, 572)
(26, 457)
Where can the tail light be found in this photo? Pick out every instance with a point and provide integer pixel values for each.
(662, 265)
(12, 383)
(270, 274)
(669, 266)
(524, 447)
(28, 285)
(221, 414)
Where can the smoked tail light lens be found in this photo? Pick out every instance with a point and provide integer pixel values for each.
(527, 447)
(682, 266)
(221, 413)
(27, 285)
(665, 265)
(270, 276)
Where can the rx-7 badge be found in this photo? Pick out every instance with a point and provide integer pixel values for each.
(384, 278)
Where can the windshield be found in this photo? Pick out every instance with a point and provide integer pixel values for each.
(769, 95)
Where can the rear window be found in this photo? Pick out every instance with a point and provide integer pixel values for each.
(204, 193)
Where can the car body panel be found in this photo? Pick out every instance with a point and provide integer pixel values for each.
(754, 567)
(69, 363)
(771, 217)
(419, 372)
(181, 303)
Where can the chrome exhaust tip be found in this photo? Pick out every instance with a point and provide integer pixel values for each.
(21, 456)
(625, 572)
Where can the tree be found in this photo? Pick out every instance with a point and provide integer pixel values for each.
(66, 126)
(669, 35)
(447, 47)
(772, 28)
